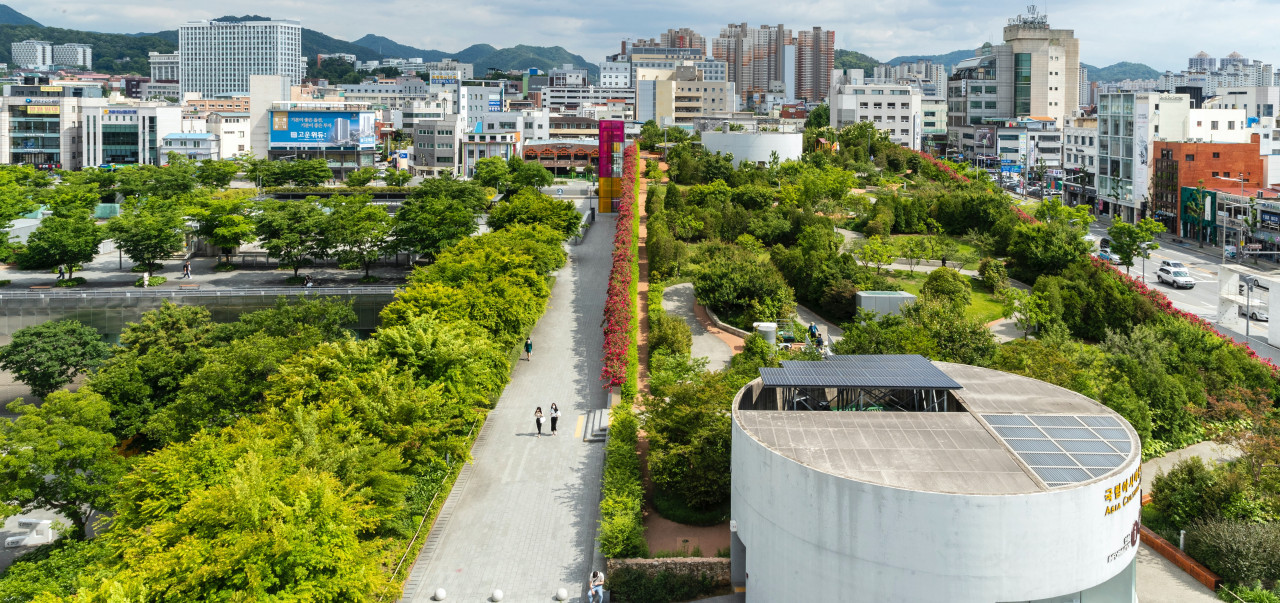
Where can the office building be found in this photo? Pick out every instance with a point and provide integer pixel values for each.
(932, 475)
(343, 134)
(40, 124)
(1046, 68)
(219, 57)
(893, 109)
(815, 57)
(437, 141)
(73, 55)
(128, 134)
(1177, 165)
(1083, 98)
(678, 97)
(391, 94)
(165, 67)
(571, 98)
(756, 58)
(1080, 160)
(498, 134)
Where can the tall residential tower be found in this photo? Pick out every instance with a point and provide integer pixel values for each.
(217, 57)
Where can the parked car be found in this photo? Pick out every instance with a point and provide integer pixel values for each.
(1173, 264)
(1246, 280)
(1177, 278)
(1254, 314)
(1107, 256)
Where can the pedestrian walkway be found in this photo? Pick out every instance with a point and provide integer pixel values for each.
(678, 300)
(523, 518)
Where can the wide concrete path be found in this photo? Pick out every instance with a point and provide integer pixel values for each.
(522, 517)
(678, 300)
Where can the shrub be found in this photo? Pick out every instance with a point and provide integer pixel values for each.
(5, 283)
(622, 496)
(947, 285)
(153, 267)
(224, 267)
(669, 333)
(993, 274)
(633, 585)
(153, 281)
(1235, 550)
(71, 282)
(743, 290)
(674, 508)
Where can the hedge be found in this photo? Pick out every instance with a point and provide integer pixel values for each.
(622, 497)
(632, 585)
(1238, 551)
(335, 190)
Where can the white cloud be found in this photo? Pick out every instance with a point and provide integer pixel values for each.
(1160, 33)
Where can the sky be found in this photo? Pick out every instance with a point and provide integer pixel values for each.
(1160, 33)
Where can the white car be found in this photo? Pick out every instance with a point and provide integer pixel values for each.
(1175, 277)
(1255, 314)
(1175, 264)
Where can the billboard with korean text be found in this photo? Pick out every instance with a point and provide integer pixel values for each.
(323, 129)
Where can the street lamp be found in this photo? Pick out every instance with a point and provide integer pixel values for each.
(1248, 312)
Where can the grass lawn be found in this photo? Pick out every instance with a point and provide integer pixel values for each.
(983, 305)
(899, 240)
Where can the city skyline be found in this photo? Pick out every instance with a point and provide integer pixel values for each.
(915, 27)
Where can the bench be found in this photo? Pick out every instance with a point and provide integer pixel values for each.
(41, 286)
(188, 286)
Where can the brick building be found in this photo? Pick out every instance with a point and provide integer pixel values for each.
(1185, 164)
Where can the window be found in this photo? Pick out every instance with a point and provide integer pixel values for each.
(1216, 156)
(1215, 174)
(930, 113)
(1213, 125)
(990, 104)
(975, 104)
(1191, 157)
(1231, 125)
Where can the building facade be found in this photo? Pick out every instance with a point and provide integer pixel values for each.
(232, 130)
(73, 55)
(218, 57)
(815, 58)
(31, 54)
(192, 145)
(1178, 165)
(756, 57)
(437, 143)
(343, 134)
(893, 109)
(128, 134)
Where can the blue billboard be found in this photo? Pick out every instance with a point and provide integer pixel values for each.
(323, 129)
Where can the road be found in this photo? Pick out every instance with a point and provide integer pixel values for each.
(1202, 300)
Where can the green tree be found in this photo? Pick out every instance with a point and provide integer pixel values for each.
(1129, 241)
(147, 231)
(914, 250)
(819, 117)
(1045, 248)
(308, 172)
(395, 177)
(491, 171)
(1028, 309)
(49, 355)
(290, 230)
(1196, 207)
(361, 177)
(356, 232)
(429, 225)
(947, 285)
(59, 456)
(876, 251)
(264, 172)
(216, 173)
(532, 207)
(63, 241)
(531, 174)
(223, 223)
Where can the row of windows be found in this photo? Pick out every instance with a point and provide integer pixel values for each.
(439, 145)
(887, 105)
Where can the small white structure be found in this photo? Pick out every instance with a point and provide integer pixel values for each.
(929, 481)
(755, 147)
(36, 532)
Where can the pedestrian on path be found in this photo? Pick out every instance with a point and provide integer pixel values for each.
(528, 348)
(597, 587)
(186, 270)
(813, 330)
(62, 274)
(555, 416)
(537, 419)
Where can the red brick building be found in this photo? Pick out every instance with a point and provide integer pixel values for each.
(1179, 164)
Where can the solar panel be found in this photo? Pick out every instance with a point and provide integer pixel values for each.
(883, 371)
(1060, 448)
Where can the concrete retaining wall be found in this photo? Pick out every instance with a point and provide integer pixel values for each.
(715, 320)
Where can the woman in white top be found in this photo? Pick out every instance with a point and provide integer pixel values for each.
(537, 419)
(555, 416)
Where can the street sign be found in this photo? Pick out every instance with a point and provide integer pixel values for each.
(559, 191)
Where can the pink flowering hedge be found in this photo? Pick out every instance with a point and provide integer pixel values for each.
(619, 305)
(1163, 304)
(950, 172)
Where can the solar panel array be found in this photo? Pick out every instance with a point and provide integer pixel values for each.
(1064, 449)
(880, 371)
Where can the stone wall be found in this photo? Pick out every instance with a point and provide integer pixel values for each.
(716, 567)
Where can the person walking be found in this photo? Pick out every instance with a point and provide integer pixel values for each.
(62, 274)
(537, 419)
(555, 417)
(528, 348)
(597, 587)
(186, 270)
(813, 330)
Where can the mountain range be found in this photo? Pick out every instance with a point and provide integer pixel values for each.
(1123, 70)
(484, 56)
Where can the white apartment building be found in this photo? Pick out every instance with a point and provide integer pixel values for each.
(615, 74)
(73, 55)
(232, 130)
(165, 67)
(498, 134)
(192, 145)
(217, 57)
(682, 97)
(477, 98)
(570, 98)
(32, 54)
(893, 109)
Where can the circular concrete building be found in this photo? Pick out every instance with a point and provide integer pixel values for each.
(894, 478)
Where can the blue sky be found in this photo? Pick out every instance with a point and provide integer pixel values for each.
(1162, 34)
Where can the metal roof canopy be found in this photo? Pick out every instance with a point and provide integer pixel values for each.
(905, 371)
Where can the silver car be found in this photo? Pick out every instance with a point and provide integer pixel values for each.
(1175, 277)
(1255, 314)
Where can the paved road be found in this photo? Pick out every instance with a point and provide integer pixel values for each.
(523, 516)
(678, 300)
